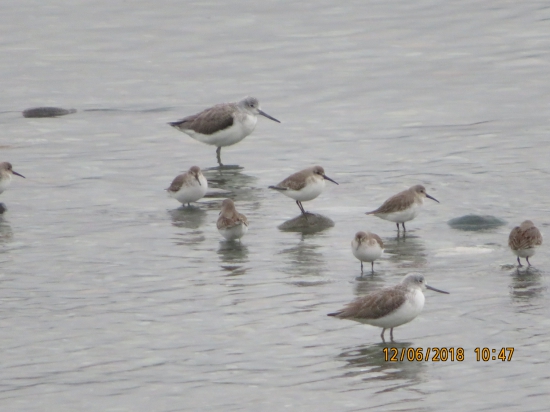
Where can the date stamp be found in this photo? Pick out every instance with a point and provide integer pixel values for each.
(444, 354)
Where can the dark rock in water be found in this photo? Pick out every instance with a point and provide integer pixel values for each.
(308, 223)
(475, 222)
(3, 208)
(47, 112)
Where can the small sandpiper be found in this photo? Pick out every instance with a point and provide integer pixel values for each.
(223, 124)
(524, 240)
(367, 247)
(189, 186)
(231, 224)
(304, 185)
(389, 307)
(6, 172)
(403, 206)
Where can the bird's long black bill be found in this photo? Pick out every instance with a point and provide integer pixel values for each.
(437, 290)
(433, 198)
(268, 116)
(328, 178)
(198, 180)
(18, 174)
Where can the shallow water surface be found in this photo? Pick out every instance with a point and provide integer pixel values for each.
(116, 298)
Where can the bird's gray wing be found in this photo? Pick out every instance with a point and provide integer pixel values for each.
(208, 121)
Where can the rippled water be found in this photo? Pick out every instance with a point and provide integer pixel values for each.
(115, 299)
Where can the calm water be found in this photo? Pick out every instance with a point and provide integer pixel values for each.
(115, 299)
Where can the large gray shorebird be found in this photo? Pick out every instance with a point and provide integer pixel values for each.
(389, 307)
(223, 124)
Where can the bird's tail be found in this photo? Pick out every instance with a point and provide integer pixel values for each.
(281, 189)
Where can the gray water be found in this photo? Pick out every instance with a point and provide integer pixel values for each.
(113, 298)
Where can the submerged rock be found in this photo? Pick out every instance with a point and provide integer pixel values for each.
(47, 112)
(308, 223)
(475, 222)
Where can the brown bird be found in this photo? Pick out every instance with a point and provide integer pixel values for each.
(524, 240)
(189, 186)
(231, 224)
(367, 247)
(404, 206)
(304, 185)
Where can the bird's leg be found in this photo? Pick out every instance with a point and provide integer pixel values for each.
(301, 207)
(527, 259)
(397, 227)
(219, 155)
(404, 230)
(372, 266)
(361, 268)
(382, 335)
(391, 334)
(519, 263)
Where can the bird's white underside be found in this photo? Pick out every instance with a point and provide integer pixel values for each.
(409, 310)
(313, 188)
(243, 125)
(403, 215)
(525, 253)
(366, 252)
(191, 192)
(235, 232)
(5, 181)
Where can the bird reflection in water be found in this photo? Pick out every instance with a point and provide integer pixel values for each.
(370, 362)
(305, 259)
(188, 217)
(407, 251)
(232, 183)
(6, 232)
(233, 256)
(526, 284)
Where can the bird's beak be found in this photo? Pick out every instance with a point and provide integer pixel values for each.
(433, 198)
(198, 180)
(328, 178)
(18, 174)
(268, 116)
(436, 290)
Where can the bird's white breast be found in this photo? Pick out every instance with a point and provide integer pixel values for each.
(242, 126)
(192, 191)
(313, 188)
(5, 181)
(403, 215)
(409, 310)
(234, 232)
(367, 251)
